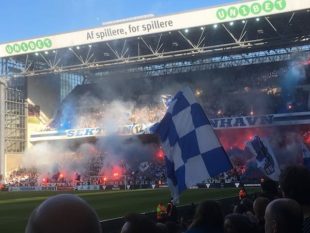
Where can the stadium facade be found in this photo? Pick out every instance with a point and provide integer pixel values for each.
(38, 74)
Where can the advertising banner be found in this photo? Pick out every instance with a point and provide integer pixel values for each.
(88, 187)
(135, 28)
(31, 188)
(64, 188)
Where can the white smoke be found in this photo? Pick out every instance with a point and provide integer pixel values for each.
(50, 158)
(116, 114)
(57, 157)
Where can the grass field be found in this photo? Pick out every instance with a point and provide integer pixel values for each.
(15, 207)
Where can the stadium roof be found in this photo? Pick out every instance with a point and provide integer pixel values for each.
(238, 28)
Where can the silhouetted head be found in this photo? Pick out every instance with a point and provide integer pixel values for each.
(173, 227)
(244, 206)
(295, 184)
(137, 223)
(283, 216)
(208, 213)
(64, 213)
(259, 207)
(238, 223)
(270, 188)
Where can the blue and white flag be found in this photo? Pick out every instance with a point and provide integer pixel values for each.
(265, 158)
(193, 152)
(144, 166)
(305, 155)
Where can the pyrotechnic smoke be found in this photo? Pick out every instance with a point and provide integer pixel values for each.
(127, 149)
(50, 158)
(291, 78)
(116, 114)
(120, 100)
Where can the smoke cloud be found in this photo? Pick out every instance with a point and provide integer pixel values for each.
(120, 101)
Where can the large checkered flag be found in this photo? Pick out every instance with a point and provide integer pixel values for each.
(193, 152)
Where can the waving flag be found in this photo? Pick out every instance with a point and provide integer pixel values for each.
(265, 158)
(144, 166)
(305, 155)
(193, 152)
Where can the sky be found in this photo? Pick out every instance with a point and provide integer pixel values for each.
(25, 19)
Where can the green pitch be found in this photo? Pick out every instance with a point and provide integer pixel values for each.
(15, 207)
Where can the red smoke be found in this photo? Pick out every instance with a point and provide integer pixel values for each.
(236, 138)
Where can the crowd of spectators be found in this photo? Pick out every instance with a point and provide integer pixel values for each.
(149, 173)
(145, 174)
(255, 93)
(282, 207)
(231, 176)
(96, 116)
(23, 177)
(94, 172)
(267, 90)
(228, 105)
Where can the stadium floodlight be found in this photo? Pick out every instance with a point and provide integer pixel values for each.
(215, 26)
(186, 30)
(202, 28)
(231, 23)
(257, 19)
(243, 21)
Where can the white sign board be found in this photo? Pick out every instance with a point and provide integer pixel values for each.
(215, 15)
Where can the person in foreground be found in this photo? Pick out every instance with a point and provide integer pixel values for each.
(138, 223)
(208, 219)
(283, 216)
(64, 213)
(295, 184)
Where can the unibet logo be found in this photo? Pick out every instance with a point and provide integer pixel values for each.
(29, 46)
(253, 9)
